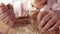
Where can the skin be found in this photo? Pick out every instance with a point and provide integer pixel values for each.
(7, 18)
(49, 20)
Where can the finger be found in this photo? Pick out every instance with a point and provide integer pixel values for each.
(10, 23)
(45, 19)
(55, 27)
(11, 14)
(1, 5)
(3, 8)
(10, 6)
(40, 16)
(3, 15)
(6, 19)
(6, 16)
(50, 23)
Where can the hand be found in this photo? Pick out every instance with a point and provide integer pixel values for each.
(7, 18)
(49, 20)
(38, 3)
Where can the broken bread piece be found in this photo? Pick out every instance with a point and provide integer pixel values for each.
(22, 21)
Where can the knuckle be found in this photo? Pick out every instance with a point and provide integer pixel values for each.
(1, 4)
(2, 10)
(45, 18)
(50, 23)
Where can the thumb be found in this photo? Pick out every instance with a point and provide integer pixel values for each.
(41, 15)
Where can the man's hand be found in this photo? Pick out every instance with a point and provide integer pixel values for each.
(49, 20)
(7, 18)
